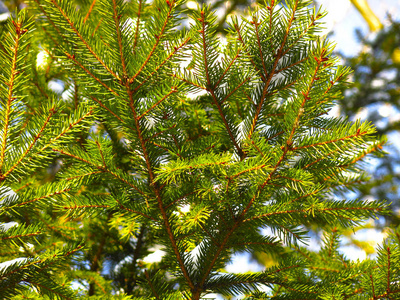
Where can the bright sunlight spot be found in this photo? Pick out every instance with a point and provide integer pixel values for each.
(154, 257)
(42, 60)
(191, 4)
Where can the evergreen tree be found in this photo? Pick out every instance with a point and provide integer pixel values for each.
(135, 152)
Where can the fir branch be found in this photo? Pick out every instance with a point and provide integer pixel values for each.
(304, 196)
(110, 111)
(101, 168)
(260, 50)
(291, 65)
(325, 156)
(273, 171)
(33, 142)
(121, 206)
(86, 206)
(151, 284)
(19, 236)
(167, 59)
(83, 175)
(247, 170)
(309, 26)
(306, 96)
(46, 287)
(221, 113)
(373, 288)
(235, 89)
(279, 55)
(42, 263)
(151, 172)
(350, 137)
(221, 246)
(173, 90)
(333, 209)
(254, 152)
(209, 87)
(116, 18)
(76, 62)
(20, 31)
(66, 130)
(160, 133)
(237, 55)
(375, 147)
(189, 82)
(240, 38)
(31, 201)
(78, 34)
(157, 42)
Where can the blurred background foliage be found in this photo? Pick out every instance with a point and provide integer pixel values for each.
(374, 96)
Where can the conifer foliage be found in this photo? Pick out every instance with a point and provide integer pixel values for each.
(160, 137)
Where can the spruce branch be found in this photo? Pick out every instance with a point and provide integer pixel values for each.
(269, 75)
(101, 168)
(13, 78)
(29, 148)
(158, 38)
(59, 7)
(235, 152)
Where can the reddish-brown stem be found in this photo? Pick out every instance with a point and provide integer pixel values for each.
(286, 149)
(45, 287)
(151, 284)
(291, 65)
(37, 199)
(89, 11)
(306, 210)
(109, 110)
(221, 247)
(303, 103)
(101, 154)
(71, 125)
(121, 206)
(189, 82)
